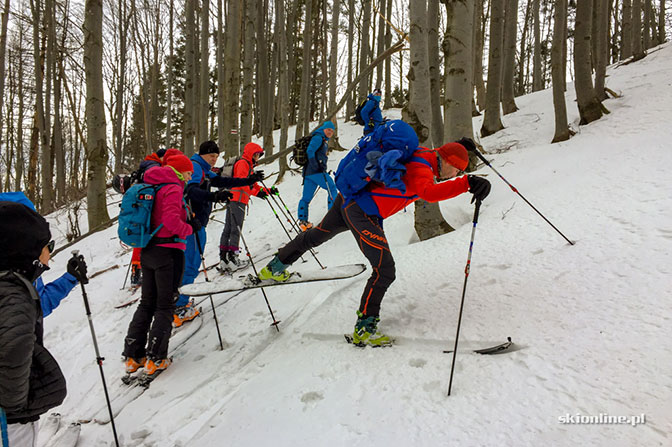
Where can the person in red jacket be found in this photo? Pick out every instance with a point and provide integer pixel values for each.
(235, 210)
(146, 343)
(364, 215)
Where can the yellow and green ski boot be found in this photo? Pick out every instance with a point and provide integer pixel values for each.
(366, 332)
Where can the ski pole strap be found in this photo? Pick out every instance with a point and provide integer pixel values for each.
(3, 428)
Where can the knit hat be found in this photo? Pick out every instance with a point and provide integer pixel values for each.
(180, 162)
(161, 152)
(23, 235)
(208, 147)
(455, 154)
(377, 91)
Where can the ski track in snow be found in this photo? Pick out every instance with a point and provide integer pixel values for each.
(591, 321)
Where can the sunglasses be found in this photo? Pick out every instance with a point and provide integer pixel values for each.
(51, 245)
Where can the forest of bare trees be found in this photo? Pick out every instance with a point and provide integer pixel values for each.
(89, 87)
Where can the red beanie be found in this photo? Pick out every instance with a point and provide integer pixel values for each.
(179, 162)
(455, 154)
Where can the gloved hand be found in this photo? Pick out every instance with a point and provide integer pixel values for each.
(262, 194)
(222, 196)
(468, 143)
(275, 191)
(257, 176)
(479, 187)
(195, 224)
(77, 268)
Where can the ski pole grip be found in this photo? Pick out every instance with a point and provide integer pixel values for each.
(477, 209)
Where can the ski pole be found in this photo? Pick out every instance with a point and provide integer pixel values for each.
(254, 269)
(126, 277)
(312, 252)
(326, 183)
(99, 359)
(3, 428)
(464, 290)
(205, 272)
(514, 189)
(281, 224)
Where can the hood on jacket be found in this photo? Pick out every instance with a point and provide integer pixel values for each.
(18, 197)
(251, 149)
(374, 97)
(163, 174)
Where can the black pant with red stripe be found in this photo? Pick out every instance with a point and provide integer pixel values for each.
(371, 240)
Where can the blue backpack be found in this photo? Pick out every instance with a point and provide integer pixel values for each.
(136, 215)
(379, 156)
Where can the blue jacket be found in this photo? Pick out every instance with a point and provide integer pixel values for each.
(371, 113)
(53, 293)
(197, 192)
(317, 153)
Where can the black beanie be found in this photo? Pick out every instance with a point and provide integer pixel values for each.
(208, 147)
(161, 153)
(23, 235)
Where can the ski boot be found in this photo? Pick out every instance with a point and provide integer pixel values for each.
(235, 263)
(136, 276)
(155, 366)
(305, 225)
(275, 270)
(366, 332)
(224, 266)
(132, 365)
(185, 313)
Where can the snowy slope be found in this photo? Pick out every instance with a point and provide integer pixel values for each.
(592, 320)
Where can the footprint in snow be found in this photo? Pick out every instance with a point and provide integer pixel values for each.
(417, 363)
(311, 396)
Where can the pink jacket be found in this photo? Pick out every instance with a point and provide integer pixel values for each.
(169, 208)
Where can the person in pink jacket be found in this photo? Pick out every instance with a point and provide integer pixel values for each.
(146, 343)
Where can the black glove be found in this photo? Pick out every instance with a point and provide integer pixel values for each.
(479, 187)
(468, 144)
(222, 196)
(195, 224)
(77, 268)
(262, 194)
(275, 191)
(257, 176)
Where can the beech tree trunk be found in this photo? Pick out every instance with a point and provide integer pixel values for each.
(557, 73)
(626, 29)
(492, 121)
(96, 146)
(590, 107)
(458, 55)
(510, 32)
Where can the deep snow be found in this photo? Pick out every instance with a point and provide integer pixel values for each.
(591, 321)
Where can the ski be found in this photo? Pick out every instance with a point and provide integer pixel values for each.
(250, 282)
(131, 387)
(132, 298)
(496, 349)
(68, 437)
(349, 338)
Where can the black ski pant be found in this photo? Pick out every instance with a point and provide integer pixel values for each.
(370, 238)
(149, 331)
(235, 216)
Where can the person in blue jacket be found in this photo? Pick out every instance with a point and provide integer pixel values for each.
(53, 293)
(371, 114)
(315, 172)
(199, 198)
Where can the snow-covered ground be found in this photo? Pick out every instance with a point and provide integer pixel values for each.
(592, 321)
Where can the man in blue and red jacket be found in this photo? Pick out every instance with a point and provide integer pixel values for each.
(363, 217)
(200, 199)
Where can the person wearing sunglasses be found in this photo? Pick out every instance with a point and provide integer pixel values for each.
(31, 382)
(52, 293)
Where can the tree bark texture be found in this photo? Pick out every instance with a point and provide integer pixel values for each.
(96, 145)
(557, 67)
(509, 65)
(492, 121)
(589, 106)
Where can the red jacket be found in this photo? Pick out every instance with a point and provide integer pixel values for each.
(243, 169)
(169, 208)
(419, 181)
